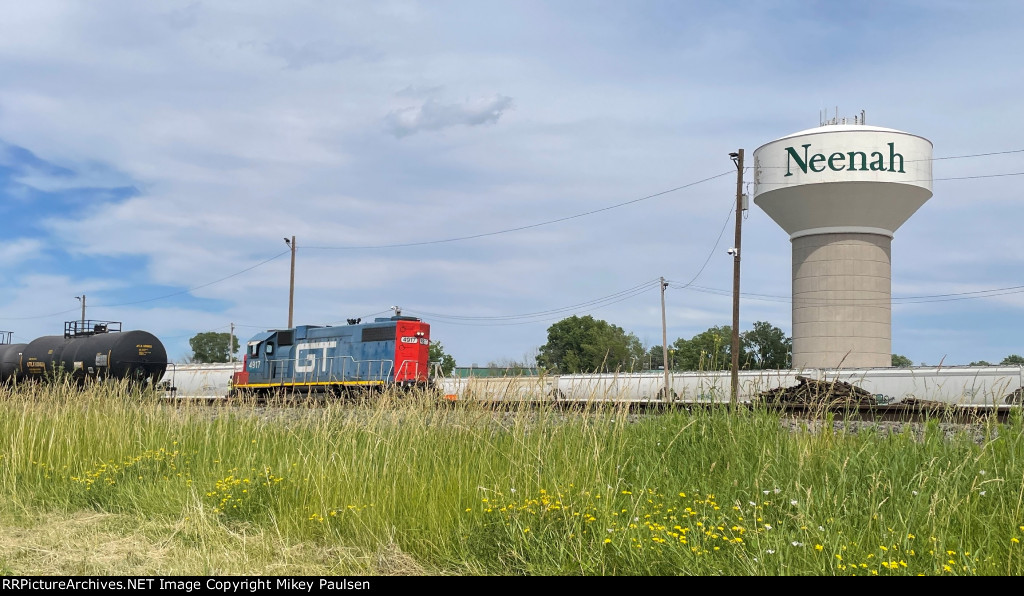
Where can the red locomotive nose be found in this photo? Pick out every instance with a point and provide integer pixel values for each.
(412, 351)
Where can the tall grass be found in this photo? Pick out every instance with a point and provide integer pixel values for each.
(470, 490)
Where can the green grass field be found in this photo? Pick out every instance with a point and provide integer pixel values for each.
(103, 481)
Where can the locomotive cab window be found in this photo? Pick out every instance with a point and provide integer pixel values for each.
(269, 349)
(254, 349)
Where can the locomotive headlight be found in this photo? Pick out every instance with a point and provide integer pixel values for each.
(419, 334)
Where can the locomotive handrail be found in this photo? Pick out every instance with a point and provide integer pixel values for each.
(6, 337)
(325, 371)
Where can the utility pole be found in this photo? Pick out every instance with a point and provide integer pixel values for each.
(231, 344)
(737, 159)
(291, 286)
(664, 340)
(82, 300)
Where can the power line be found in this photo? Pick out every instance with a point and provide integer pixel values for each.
(933, 179)
(199, 287)
(882, 300)
(916, 160)
(545, 314)
(171, 295)
(521, 228)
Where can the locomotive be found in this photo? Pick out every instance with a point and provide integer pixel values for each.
(388, 352)
(88, 350)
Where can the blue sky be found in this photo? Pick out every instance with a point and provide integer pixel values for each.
(154, 155)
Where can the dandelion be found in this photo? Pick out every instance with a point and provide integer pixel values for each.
(1015, 540)
(819, 547)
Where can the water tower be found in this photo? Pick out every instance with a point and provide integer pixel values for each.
(840, 191)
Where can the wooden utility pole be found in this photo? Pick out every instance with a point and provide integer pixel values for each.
(737, 158)
(291, 285)
(664, 341)
(231, 344)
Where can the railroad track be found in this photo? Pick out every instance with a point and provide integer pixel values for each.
(909, 411)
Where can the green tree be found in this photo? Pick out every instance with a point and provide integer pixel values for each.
(584, 344)
(765, 347)
(654, 359)
(901, 361)
(708, 350)
(211, 346)
(1013, 360)
(437, 355)
(980, 363)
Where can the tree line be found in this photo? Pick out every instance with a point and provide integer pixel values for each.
(585, 344)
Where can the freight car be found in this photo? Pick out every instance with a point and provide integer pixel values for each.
(389, 352)
(88, 350)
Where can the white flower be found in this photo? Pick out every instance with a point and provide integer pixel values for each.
(767, 527)
(821, 529)
(982, 472)
(512, 490)
(778, 490)
(793, 502)
(752, 504)
(770, 551)
(982, 493)
(765, 492)
(795, 543)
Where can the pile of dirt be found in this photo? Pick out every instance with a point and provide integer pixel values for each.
(818, 393)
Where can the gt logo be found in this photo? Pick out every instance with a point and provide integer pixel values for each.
(306, 355)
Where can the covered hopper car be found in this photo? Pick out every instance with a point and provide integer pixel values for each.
(88, 350)
(388, 352)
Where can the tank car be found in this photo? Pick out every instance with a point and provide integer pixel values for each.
(387, 352)
(87, 350)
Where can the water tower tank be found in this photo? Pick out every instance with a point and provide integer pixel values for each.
(840, 191)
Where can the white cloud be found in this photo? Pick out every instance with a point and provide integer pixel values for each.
(433, 115)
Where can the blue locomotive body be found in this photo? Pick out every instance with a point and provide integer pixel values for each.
(388, 351)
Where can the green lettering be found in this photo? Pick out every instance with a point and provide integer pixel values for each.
(892, 159)
(800, 163)
(878, 164)
(818, 158)
(834, 157)
(863, 160)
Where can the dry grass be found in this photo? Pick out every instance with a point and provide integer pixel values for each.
(87, 543)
